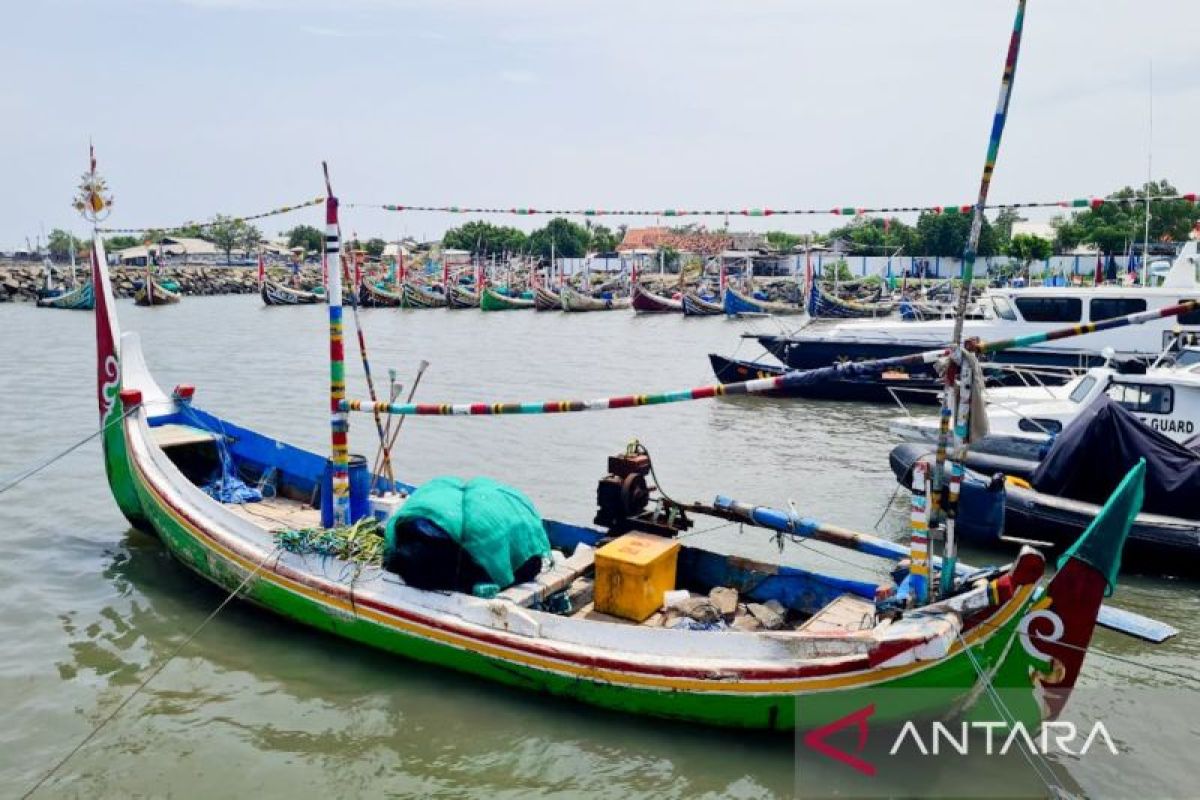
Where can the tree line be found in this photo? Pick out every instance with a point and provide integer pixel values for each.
(1113, 227)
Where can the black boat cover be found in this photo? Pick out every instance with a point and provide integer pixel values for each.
(1090, 458)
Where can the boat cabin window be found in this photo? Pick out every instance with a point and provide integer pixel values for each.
(1143, 398)
(1050, 309)
(1190, 318)
(1082, 390)
(1109, 307)
(1040, 425)
(1004, 309)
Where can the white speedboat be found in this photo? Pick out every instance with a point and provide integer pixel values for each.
(1022, 421)
(1013, 312)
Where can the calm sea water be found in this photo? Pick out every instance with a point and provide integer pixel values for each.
(255, 706)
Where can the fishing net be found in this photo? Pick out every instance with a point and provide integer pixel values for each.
(497, 526)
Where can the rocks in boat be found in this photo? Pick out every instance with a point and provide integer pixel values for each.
(771, 615)
(700, 609)
(725, 600)
(746, 622)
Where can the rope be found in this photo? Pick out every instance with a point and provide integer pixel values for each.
(169, 228)
(29, 473)
(1035, 759)
(846, 210)
(153, 674)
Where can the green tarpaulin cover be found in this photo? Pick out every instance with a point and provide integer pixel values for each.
(496, 525)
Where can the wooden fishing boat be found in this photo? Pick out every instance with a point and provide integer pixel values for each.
(274, 293)
(645, 301)
(574, 300)
(492, 300)
(824, 305)
(546, 299)
(81, 298)
(153, 293)
(78, 297)
(463, 297)
(371, 295)
(992, 628)
(886, 387)
(416, 296)
(277, 293)
(158, 447)
(736, 303)
(696, 306)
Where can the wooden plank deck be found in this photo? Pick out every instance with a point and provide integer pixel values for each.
(278, 513)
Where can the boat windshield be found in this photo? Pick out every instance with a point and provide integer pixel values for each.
(1003, 309)
(1083, 389)
(1188, 357)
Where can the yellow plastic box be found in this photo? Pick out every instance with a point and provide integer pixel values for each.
(632, 573)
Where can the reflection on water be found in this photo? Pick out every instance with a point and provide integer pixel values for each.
(257, 705)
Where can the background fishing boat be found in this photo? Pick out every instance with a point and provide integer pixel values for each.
(574, 300)
(492, 299)
(153, 293)
(463, 297)
(735, 303)
(277, 293)
(696, 306)
(415, 295)
(73, 296)
(821, 305)
(545, 299)
(645, 301)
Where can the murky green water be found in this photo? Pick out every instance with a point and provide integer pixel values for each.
(255, 706)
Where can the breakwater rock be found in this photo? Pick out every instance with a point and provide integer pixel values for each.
(20, 281)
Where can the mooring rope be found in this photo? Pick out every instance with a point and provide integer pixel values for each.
(1037, 761)
(9, 483)
(153, 674)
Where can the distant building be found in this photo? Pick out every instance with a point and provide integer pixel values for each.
(651, 239)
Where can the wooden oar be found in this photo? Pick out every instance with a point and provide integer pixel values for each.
(1116, 619)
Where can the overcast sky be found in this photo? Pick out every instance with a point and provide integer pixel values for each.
(205, 106)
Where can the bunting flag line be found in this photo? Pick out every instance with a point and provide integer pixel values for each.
(845, 211)
(274, 212)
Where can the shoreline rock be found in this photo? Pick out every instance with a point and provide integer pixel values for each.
(20, 280)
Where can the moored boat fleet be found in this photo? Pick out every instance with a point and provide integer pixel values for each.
(1064, 440)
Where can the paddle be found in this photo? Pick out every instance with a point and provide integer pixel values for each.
(1116, 619)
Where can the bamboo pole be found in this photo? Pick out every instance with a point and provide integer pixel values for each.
(947, 436)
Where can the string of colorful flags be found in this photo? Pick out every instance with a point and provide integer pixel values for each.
(274, 212)
(848, 211)
(845, 211)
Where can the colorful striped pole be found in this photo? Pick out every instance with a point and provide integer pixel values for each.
(758, 385)
(949, 395)
(339, 425)
(919, 543)
(958, 455)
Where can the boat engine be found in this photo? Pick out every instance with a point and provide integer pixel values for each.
(624, 497)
